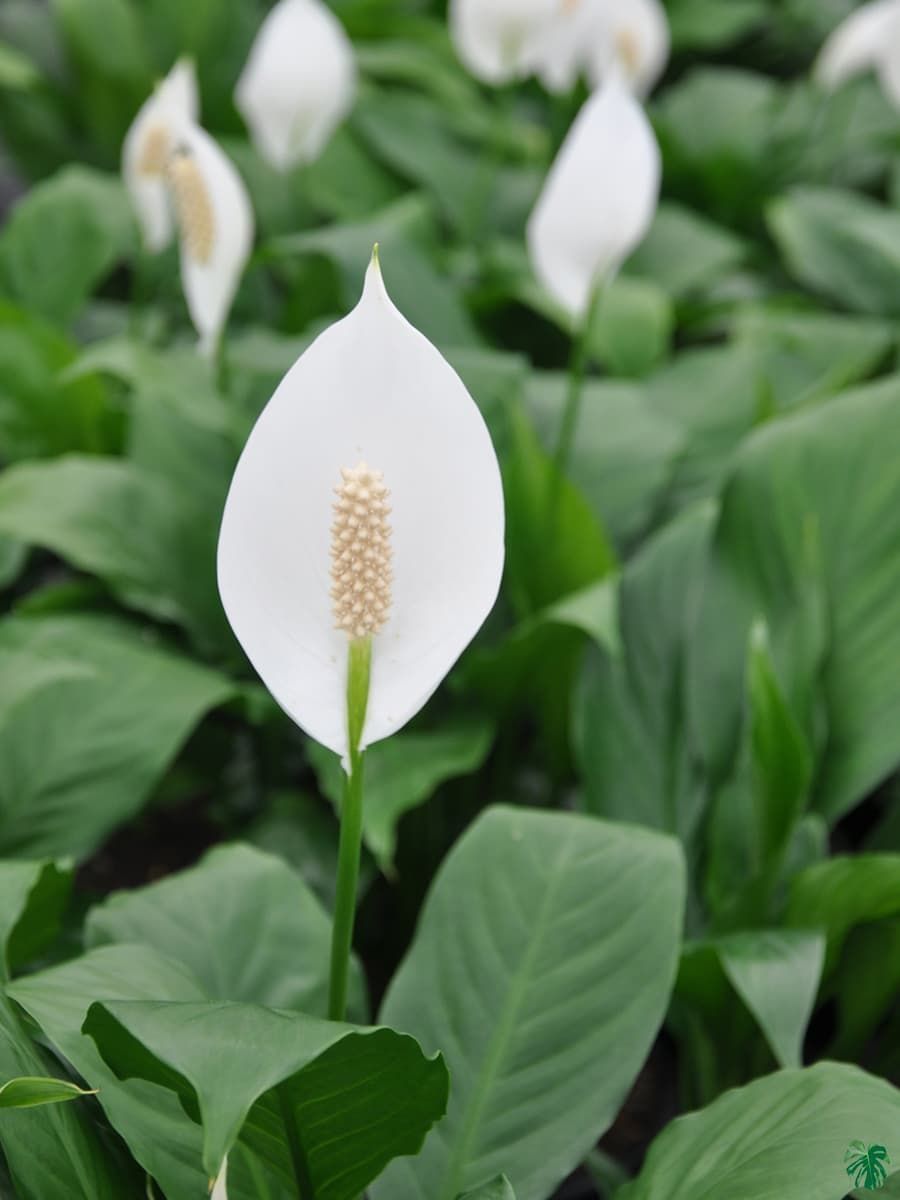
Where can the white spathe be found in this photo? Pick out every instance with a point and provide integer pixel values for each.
(220, 1187)
(869, 39)
(599, 37)
(299, 82)
(148, 143)
(497, 40)
(598, 200)
(215, 222)
(370, 389)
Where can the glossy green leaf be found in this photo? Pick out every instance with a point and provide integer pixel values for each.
(782, 1135)
(632, 330)
(325, 1102)
(498, 1189)
(33, 898)
(777, 975)
(80, 754)
(241, 921)
(151, 1120)
(63, 239)
(33, 1091)
(403, 772)
(631, 740)
(52, 1151)
(685, 252)
(542, 967)
(844, 892)
(802, 544)
(126, 525)
(842, 245)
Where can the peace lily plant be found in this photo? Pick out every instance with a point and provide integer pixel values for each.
(361, 546)
(299, 82)
(498, 40)
(597, 204)
(595, 38)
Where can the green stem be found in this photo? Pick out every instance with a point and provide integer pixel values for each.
(575, 390)
(358, 671)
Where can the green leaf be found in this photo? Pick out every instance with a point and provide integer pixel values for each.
(784, 1135)
(17, 71)
(498, 1189)
(53, 1152)
(151, 1120)
(208, 917)
(580, 554)
(624, 454)
(342, 1100)
(63, 238)
(844, 892)
(776, 974)
(125, 524)
(401, 773)
(12, 559)
(631, 739)
(633, 326)
(685, 252)
(841, 245)
(708, 25)
(542, 968)
(41, 413)
(33, 898)
(33, 1091)
(80, 755)
(404, 231)
(803, 545)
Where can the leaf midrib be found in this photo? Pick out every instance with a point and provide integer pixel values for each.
(504, 1029)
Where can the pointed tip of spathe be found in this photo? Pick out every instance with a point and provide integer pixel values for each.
(374, 283)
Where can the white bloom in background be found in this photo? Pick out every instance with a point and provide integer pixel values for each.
(299, 82)
(497, 40)
(220, 1189)
(598, 200)
(147, 147)
(869, 39)
(367, 502)
(215, 225)
(599, 37)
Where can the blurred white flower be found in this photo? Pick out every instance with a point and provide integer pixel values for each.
(371, 421)
(498, 40)
(147, 147)
(869, 39)
(598, 200)
(299, 82)
(598, 37)
(215, 225)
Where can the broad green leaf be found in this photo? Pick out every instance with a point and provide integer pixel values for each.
(12, 559)
(842, 245)
(241, 921)
(33, 898)
(63, 239)
(80, 755)
(630, 734)
(783, 1135)
(159, 1134)
(52, 1152)
(708, 25)
(104, 34)
(803, 544)
(404, 231)
(303, 831)
(685, 252)
(403, 772)
(776, 974)
(542, 968)
(632, 329)
(844, 892)
(498, 1189)
(542, 566)
(128, 526)
(340, 1099)
(865, 986)
(42, 413)
(33, 1091)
